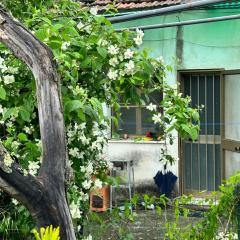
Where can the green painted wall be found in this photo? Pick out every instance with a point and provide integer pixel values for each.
(201, 46)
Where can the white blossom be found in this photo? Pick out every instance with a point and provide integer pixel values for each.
(15, 201)
(15, 144)
(33, 168)
(75, 211)
(89, 168)
(113, 49)
(80, 25)
(102, 42)
(96, 146)
(160, 59)
(65, 45)
(8, 161)
(8, 79)
(139, 37)
(152, 107)
(12, 70)
(94, 11)
(113, 61)
(1, 60)
(140, 33)
(87, 184)
(138, 40)
(157, 118)
(1, 109)
(9, 124)
(27, 130)
(73, 152)
(84, 196)
(84, 140)
(82, 126)
(89, 237)
(83, 169)
(98, 183)
(129, 67)
(128, 54)
(112, 74)
(226, 236)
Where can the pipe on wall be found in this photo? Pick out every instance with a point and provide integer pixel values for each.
(165, 10)
(189, 22)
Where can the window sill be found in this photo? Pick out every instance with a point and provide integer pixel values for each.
(132, 141)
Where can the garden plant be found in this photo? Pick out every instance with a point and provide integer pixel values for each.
(60, 68)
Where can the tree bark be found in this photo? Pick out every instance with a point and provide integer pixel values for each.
(44, 195)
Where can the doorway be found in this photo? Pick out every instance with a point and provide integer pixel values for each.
(202, 159)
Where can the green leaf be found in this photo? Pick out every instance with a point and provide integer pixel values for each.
(9, 112)
(81, 115)
(41, 34)
(195, 116)
(22, 137)
(2, 93)
(186, 129)
(25, 115)
(45, 19)
(194, 133)
(54, 44)
(73, 105)
(102, 51)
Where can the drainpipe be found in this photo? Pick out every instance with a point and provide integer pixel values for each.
(161, 11)
(189, 22)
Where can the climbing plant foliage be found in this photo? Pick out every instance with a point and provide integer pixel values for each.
(96, 65)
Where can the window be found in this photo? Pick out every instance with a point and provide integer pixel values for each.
(136, 120)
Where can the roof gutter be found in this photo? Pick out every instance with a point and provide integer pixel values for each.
(161, 11)
(183, 23)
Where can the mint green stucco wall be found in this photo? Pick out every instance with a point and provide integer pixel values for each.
(204, 46)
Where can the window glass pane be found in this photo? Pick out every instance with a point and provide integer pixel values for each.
(154, 97)
(127, 121)
(147, 123)
(232, 113)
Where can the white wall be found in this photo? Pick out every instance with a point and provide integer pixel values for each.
(145, 155)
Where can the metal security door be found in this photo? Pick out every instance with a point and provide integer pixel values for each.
(231, 128)
(201, 159)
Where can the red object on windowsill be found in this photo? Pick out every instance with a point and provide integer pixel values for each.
(149, 134)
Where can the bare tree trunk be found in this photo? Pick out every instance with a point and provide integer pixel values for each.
(44, 196)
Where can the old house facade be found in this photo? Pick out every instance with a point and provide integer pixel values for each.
(206, 62)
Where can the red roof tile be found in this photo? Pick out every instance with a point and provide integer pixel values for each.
(131, 4)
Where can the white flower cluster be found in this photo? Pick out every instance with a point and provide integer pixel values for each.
(33, 168)
(8, 161)
(88, 170)
(90, 147)
(157, 118)
(139, 38)
(78, 91)
(89, 237)
(29, 130)
(94, 11)
(113, 49)
(65, 45)
(8, 72)
(84, 27)
(122, 63)
(74, 152)
(226, 236)
(152, 107)
(75, 211)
